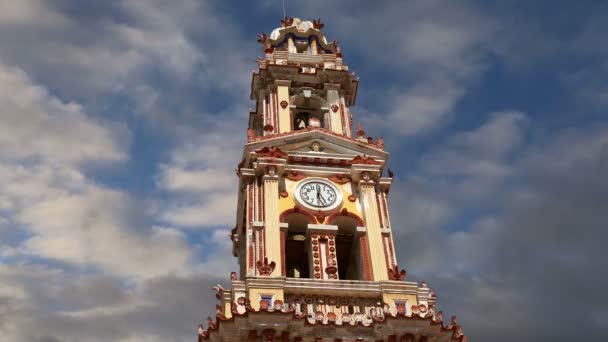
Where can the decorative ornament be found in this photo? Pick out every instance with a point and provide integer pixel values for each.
(295, 176)
(284, 104)
(262, 37)
(334, 108)
(340, 179)
(380, 143)
(250, 134)
(287, 21)
(273, 152)
(320, 216)
(268, 128)
(395, 274)
(360, 131)
(352, 198)
(233, 276)
(265, 268)
(284, 194)
(317, 24)
(363, 160)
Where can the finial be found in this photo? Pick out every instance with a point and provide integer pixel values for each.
(317, 24)
(262, 37)
(360, 131)
(287, 21)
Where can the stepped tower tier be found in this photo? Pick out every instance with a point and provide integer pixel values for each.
(313, 235)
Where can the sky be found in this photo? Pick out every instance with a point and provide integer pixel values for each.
(121, 123)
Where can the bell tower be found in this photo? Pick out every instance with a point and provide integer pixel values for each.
(313, 235)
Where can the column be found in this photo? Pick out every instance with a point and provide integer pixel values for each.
(322, 250)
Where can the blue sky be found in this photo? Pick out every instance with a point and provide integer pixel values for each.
(121, 123)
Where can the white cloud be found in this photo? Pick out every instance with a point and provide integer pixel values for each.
(38, 125)
(200, 179)
(67, 216)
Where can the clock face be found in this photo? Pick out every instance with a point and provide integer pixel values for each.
(318, 194)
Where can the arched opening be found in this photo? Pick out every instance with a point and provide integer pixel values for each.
(348, 251)
(296, 251)
(308, 112)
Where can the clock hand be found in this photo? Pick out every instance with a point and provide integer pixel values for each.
(319, 198)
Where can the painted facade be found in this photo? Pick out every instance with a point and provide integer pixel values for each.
(313, 235)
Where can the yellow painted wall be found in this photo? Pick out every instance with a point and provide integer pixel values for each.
(272, 235)
(254, 295)
(390, 298)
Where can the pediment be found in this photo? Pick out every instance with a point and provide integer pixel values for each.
(328, 145)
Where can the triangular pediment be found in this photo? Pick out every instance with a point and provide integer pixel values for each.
(319, 144)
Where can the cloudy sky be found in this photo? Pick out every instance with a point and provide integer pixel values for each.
(121, 123)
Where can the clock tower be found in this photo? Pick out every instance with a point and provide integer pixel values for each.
(313, 235)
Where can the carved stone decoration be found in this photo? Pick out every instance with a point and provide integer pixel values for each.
(284, 194)
(395, 274)
(320, 216)
(380, 143)
(284, 104)
(452, 323)
(415, 310)
(287, 21)
(264, 305)
(363, 160)
(400, 309)
(317, 24)
(265, 268)
(262, 37)
(366, 176)
(268, 128)
(233, 276)
(352, 198)
(219, 291)
(458, 334)
(211, 324)
(360, 131)
(295, 176)
(273, 152)
(334, 108)
(422, 309)
(250, 134)
(340, 179)
(271, 170)
(331, 270)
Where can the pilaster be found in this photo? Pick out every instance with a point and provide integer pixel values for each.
(374, 231)
(272, 232)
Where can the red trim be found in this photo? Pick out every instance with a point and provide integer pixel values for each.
(283, 268)
(342, 116)
(345, 212)
(385, 208)
(298, 210)
(365, 255)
